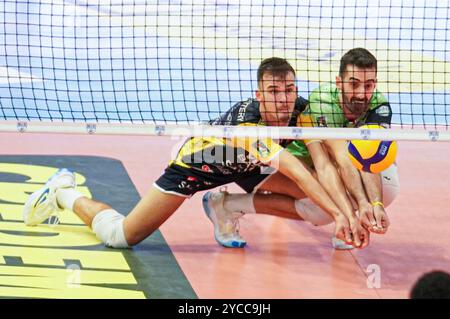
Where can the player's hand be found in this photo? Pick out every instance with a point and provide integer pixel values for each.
(342, 229)
(381, 219)
(366, 215)
(361, 235)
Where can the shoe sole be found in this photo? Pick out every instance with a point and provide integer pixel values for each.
(208, 212)
(32, 203)
(341, 246)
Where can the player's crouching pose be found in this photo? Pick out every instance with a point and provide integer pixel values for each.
(191, 171)
(352, 101)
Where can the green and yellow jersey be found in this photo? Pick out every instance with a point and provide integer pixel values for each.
(324, 110)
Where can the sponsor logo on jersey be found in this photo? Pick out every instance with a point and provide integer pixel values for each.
(229, 119)
(252, 159)
(383, 110)
(261, 148)
(321, 121)
(206, 168)
(222, 170)
(191, 179)
(241, 158)
(242, 110)
(265, 169)
(183, 185)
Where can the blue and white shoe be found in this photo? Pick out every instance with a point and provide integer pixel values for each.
(226, 224)
(340, 244)
(42, 204)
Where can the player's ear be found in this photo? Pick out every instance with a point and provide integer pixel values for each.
(338, 82)
(259, 95)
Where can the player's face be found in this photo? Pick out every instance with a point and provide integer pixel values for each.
(277, 95)
(357, 87)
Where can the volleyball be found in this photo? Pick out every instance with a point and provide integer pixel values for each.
(371, 155)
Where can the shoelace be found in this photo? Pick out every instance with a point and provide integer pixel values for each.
(236, 225)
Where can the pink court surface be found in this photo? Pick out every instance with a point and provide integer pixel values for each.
(285, 258)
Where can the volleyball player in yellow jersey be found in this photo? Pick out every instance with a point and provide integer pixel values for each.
(353, 101)
(191, 172)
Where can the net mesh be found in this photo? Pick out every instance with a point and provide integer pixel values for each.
(176, 62)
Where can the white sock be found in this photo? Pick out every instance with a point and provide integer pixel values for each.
(66, 197)
(240, 203)
(312, 213)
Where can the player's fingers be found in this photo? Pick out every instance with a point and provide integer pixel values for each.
(379, 221)
(365, 221)
(379, 231)
(366, 239)
(348, 235)
(340, 234)
(371, 219)
(356, 237)
(385, 222)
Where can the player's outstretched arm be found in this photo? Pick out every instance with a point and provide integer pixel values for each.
(331, 181)
(351, 177)
(290, 166)
(329, 178)
(380, 221)
(349, 173)
(364, 187)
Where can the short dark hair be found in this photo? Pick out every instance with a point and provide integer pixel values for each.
(435, 284)
(360, 57)
(275, 66)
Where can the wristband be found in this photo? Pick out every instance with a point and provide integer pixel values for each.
(375, 203)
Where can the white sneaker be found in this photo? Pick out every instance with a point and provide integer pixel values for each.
(42, 203)
(226, 223)
(340, 244)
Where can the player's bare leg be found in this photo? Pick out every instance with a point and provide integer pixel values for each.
(150, 213)
(113, 228)
(146, 217)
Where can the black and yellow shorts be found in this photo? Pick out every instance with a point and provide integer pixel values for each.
(183, 181)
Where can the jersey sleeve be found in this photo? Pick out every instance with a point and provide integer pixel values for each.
(307, 120)
(323, 107)
(263, 149)
(300, 105)
(381, 115)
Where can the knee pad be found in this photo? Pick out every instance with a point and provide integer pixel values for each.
(108, 227)
(390, 184)
(312, 213)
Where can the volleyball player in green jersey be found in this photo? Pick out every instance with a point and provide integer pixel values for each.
(199, 165)
(285, 199)
(353, 101)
